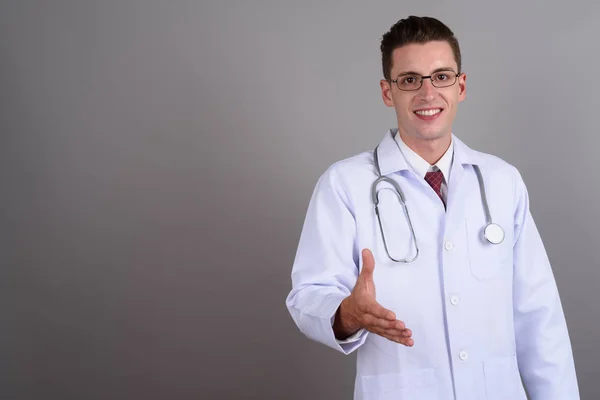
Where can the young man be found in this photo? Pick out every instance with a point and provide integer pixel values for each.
(444, 288)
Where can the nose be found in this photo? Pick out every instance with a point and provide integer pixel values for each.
(427, 90)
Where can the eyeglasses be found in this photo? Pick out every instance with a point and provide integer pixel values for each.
(440, 79)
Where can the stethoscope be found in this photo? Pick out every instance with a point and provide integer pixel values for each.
(493, 232)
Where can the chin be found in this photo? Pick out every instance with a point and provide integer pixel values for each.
(428, 133)
(432, 135)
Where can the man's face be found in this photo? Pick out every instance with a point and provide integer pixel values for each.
(426, 113)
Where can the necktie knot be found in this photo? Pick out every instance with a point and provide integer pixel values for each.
(435, 179)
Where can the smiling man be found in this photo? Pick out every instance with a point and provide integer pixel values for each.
(423, 256)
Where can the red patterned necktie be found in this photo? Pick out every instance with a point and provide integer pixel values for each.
(435, 180)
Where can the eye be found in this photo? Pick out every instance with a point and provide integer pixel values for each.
(409, 80)
(441, 76)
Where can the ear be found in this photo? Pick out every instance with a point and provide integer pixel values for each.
(462, 87)
(386, 93)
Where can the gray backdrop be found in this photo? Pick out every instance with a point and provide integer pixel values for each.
(157, 158)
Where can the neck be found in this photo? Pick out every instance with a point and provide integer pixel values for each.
(431, 150)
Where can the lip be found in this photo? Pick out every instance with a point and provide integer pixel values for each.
(428, 117)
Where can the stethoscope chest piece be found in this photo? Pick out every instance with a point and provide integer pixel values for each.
(494, 233)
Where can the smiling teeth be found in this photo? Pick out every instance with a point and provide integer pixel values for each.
(429, 113)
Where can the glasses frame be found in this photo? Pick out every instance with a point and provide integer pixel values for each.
(422, 78)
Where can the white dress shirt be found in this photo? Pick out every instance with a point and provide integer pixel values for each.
(421, 167)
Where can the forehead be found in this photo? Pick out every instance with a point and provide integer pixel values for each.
(423, 58)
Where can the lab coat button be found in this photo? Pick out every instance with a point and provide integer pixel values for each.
(463, 355)
(448, 246)
(454, 300)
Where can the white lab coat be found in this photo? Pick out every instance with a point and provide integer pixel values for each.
(482, 315)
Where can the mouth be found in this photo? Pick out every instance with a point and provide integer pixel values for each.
(428, 114)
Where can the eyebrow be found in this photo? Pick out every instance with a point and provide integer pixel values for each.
(432, 72)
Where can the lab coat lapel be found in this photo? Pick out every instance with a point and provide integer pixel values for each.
(389, 155)
(460, 185)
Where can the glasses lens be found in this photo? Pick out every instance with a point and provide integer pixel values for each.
(408, 82)
(443, 78)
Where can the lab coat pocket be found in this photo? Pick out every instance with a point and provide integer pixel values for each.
(410, 385)
(487, 260)
(502, 379)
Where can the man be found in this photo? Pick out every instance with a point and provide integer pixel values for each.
(453, 296)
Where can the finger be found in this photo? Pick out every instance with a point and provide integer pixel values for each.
(409, 342)
(368, 265)
(398, 333)
(399, 325)
(377, 330)
(378, 311)
(394, 337)
(372, 321)
(384, 323)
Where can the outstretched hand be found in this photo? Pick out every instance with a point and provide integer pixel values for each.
(361, 310)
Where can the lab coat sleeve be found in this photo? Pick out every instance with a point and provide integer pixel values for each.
(326, 264)
(544, 351)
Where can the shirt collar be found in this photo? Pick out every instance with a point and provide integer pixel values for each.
(420, 166)
(389, 159)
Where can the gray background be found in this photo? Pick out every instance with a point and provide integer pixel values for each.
(157, 158)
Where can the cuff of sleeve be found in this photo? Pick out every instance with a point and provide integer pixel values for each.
(353, 338)
(349, 344)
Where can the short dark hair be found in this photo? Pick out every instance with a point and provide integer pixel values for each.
(415, 30)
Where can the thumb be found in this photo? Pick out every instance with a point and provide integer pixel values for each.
(368, 264)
